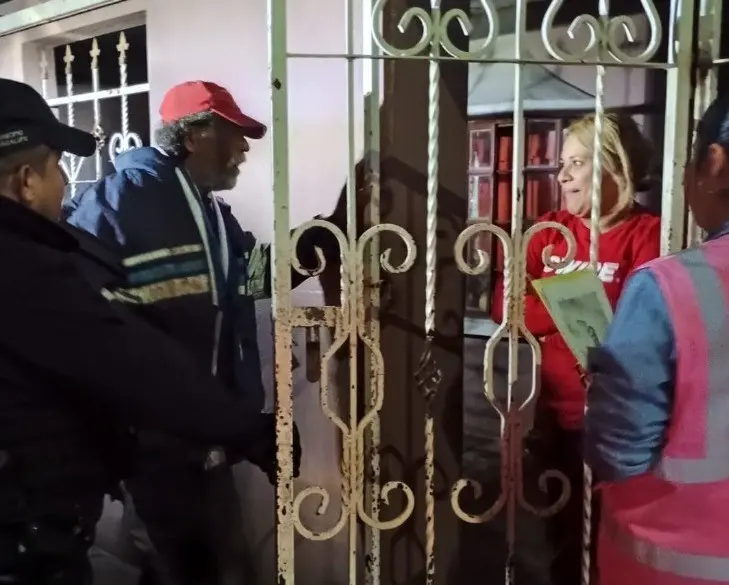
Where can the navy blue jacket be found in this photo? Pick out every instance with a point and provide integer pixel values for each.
(74, 369)
(192, 271)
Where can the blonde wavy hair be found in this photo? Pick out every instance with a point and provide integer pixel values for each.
(626, 153)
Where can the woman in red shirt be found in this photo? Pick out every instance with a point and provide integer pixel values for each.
(629, 237)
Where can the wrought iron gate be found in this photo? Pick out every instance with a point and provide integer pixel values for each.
(691, 73)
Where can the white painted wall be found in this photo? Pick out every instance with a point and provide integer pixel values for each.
(234, 54)
(15, 5)
(16, 59)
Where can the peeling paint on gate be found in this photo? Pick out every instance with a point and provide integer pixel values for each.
(355, 320)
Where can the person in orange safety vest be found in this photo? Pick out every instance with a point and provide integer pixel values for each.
(657, 426)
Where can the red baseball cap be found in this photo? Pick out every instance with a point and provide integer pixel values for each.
(196, 97)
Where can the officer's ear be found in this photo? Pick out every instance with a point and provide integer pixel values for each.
(21, 175)
(28, 182)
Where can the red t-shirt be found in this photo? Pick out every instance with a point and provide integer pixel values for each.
(621, 250)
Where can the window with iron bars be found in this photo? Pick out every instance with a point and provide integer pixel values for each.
(99, 84)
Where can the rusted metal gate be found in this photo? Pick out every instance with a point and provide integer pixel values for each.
(690, 64)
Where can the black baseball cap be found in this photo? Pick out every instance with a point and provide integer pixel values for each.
(27, 121)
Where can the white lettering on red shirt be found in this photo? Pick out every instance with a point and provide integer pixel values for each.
(605, 270)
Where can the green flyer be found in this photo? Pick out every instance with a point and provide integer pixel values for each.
(579, 308)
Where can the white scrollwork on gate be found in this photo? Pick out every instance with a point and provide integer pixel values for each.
(121, 142)
(435, 29)
(604, 33)
(351, 321)
(511, 446)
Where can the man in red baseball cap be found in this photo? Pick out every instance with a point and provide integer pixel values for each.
(201, 119)
(195, 273)
(195, 97)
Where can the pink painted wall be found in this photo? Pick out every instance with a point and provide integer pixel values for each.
(234, 53)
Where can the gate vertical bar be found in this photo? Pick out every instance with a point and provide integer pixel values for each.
(354, 471)
(372, 271)
(676, 127)
(711, 28)
(122, 48)
(124, 139)
(73, 161)
(428, 374)
(44, 72)
(98, 131)
(712, 15)
(371, 86)
(595, 229)
(516, 298)
(281, 302)
(596, 202)
(405, 117)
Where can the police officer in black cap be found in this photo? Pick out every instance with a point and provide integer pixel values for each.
(59, 415)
